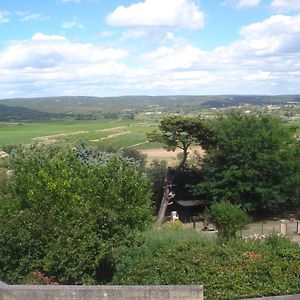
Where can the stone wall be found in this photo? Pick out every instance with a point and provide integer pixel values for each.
(288, 297)
(44, 292)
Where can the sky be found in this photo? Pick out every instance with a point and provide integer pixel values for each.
(149, 47)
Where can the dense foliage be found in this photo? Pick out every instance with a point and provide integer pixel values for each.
(254, 161)
(228, 218)
(17, 113)
(235, 270)
(156, 174)
(66, 213)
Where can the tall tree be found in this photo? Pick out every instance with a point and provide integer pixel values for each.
(178, 132)
(255, 161)
(181, 132)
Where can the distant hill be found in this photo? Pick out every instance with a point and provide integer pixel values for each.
(15, 113)
(81, 104)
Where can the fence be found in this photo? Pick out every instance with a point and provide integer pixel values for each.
(285, 227)
(261, 228)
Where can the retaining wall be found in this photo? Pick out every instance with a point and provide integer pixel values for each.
(288, 297)
(44, 292)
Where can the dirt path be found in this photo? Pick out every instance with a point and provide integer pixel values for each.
(111, 136)
(134, 145)
(110, 129)
(53, 137)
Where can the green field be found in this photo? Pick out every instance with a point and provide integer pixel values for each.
(105, 132)
(109, 133)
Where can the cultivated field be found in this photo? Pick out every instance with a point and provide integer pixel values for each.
(108, 133)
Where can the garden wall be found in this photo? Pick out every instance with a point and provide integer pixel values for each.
(288, 297)
(43, 292)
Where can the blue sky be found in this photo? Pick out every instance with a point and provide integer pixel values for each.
(153, 47)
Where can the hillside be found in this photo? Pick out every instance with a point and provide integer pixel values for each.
(81, 104)
(8, 113)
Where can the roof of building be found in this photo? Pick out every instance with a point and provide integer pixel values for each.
(190, 203)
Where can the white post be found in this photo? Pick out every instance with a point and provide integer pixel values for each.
(282, 227)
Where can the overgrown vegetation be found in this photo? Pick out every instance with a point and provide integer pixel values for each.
(80, 215)
(228, 218)
(253, 161)
(232, 270)
(67, 211)
(156, 173)
(3, 182)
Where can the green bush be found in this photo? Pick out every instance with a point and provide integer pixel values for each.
(228, 218)
(173, 225)
(4, 162)
(67, 212)
(231, 271)
(3, 181)
(253, 161)
(156, 174)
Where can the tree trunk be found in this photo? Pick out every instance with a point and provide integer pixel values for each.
(184, 159)
(167, 197)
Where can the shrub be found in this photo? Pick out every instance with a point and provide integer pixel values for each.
(156, 174)
(4, 162)
(233, 270)
(38, 278)
(173, 225)
(67, 212)
(3, 181)
(228, 218)
(136, 155)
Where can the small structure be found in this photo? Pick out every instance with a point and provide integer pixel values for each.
(289, 227)
(187, 209)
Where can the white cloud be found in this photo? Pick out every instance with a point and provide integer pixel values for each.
(174, 58)
(43, 37)
(264, 60)
(50, 64)
(275, 35)
(157, 13)
(148, 34)
(4, 16)
(286, 5)
(74, 24)
(248, 3)
(50, 51)
(28, 16)
(258, 76)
